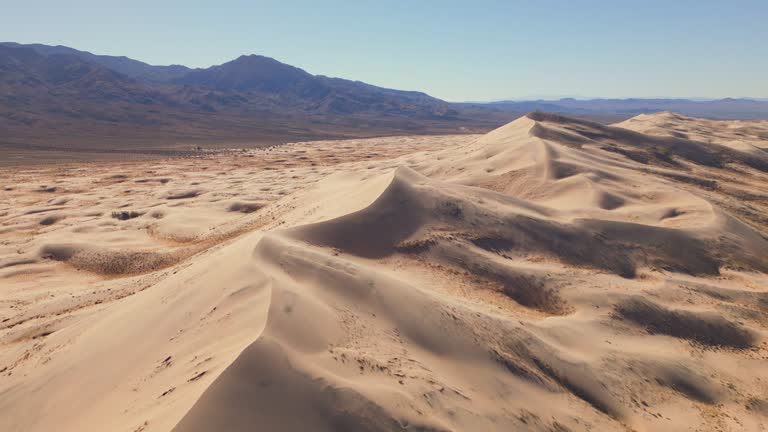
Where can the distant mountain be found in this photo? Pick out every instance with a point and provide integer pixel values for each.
(259, 77)
(252, 73)
(60, 97)
(26, 76)
(124, 65)
(255, 74)
(56, 96)
(728, 108)
(40, 91)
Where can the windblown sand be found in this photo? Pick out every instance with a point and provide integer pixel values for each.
(552, 275)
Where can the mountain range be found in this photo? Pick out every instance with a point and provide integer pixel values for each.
(728, 108)
(56, 97)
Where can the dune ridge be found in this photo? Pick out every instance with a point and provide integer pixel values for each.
(551, 275)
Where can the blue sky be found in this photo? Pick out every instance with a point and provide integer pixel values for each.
(455, 50)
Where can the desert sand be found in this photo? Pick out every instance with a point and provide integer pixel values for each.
(551, 275)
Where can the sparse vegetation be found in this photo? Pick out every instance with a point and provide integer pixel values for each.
(126, 214)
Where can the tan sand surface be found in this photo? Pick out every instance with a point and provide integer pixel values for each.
(551, 275)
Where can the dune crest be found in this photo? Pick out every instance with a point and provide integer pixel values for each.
(553, 275)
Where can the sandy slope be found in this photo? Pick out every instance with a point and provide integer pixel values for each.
(551, 275)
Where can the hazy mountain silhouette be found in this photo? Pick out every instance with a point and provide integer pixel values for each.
(728, 108)
(124, 65)
(59, 96)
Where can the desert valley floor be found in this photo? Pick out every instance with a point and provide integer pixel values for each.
(551, 275)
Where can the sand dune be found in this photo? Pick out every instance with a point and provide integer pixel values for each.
(551, 275)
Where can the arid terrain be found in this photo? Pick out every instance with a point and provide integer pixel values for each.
(551, 275)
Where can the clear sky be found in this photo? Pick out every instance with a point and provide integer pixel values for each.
(455, 50)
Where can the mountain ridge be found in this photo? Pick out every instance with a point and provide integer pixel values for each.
(125, 65)
(61, 98)
(65, 100)
(725, 108)
(220, 77)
